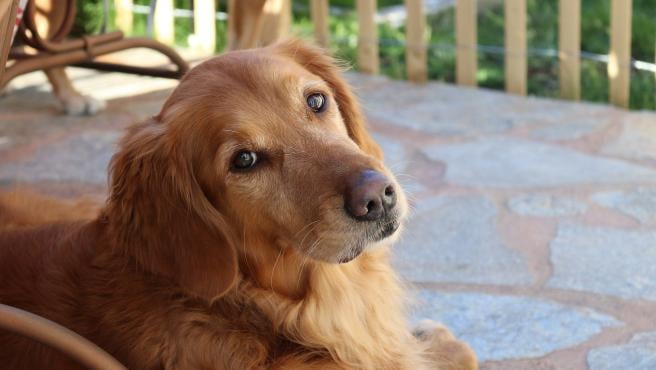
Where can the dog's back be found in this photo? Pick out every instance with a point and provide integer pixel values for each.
(39, 256)
(24, 208)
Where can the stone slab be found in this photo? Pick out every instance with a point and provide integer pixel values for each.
(637, 354)
(418, 110)
(545, 205)
(574, 128)
(639, 203)
(455, 239)
(502, 327)
(637, 140)
(82, 158)
(503, 162)
(605, 261)
(456, 111)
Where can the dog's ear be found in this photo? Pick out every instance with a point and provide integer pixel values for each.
(160, 217)
(318, 62)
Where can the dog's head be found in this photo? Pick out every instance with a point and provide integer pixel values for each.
(267, 142)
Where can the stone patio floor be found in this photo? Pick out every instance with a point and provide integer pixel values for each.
(533, 234)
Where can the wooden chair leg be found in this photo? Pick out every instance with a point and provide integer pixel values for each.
(56, 336)
(7, 21)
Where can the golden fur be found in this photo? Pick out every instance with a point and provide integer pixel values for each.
(191, 265)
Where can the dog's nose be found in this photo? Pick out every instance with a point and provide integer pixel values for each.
(369, 196)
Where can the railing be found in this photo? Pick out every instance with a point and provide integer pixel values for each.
(569, 53)
(203, 15)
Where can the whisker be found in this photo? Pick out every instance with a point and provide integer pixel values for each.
(306, 258)
(314, 245)
(312, 229)
(395, 165)
(306, 255)
(406, 175)
(412, 198)
(304, 227)
(243, 239)
(273, 271)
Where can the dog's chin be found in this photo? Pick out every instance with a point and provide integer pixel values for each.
(387, 230)
(349, 249)
(352, 253)
(384, 236)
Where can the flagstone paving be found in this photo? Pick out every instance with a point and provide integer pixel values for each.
(605, 260)
(462, 231)
(502, 162)
(507, 327)
(533, 230)
(545, 205)
(57, 162)
(639, 353)
(639, 203)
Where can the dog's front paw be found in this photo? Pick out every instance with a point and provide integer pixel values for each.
(444, 348)
(80, 105)
(429, 330)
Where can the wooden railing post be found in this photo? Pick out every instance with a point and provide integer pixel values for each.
(367, 37)
(515, 40)
(205, 26)
(569, 44)
(244, 23)
(415, 46)
(619, 58)
(276, 22)
(319, 14)
(124, 15)
(163, 22)
(466, 40)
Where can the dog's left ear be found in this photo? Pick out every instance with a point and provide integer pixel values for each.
(160, 217)
(317, 61)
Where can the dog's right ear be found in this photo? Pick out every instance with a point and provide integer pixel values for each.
(160, 217)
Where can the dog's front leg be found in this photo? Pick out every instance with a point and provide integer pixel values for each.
(200, 344)
(74, 103)
(444, 349)
(302, 363)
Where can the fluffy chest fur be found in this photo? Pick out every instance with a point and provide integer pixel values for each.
(355, 312)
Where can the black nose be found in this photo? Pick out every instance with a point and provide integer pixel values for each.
(369, 195)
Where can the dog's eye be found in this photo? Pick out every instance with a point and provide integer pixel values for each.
(317, 102)
(244, 160)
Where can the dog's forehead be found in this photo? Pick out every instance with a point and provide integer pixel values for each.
(256, 68)
(261, 96)
(263, 128)
(262, 84)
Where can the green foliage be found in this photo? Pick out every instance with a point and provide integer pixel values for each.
(643, 27)
(89, 17)
(351, 3)
(542, 33)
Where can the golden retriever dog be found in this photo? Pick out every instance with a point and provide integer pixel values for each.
(248, 226)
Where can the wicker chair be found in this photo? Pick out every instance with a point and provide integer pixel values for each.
(53, 48)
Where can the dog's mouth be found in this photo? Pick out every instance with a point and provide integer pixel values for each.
(387, 230)
(384, 231)
(355, 252)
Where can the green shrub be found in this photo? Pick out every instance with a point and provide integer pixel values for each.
(542, 33)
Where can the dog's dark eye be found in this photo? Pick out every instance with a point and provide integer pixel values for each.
(244, 160)
(317, 102)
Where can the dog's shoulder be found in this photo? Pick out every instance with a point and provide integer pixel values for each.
(35, 259)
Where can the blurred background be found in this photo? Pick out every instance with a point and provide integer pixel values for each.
(523, 131)
(541, 37)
